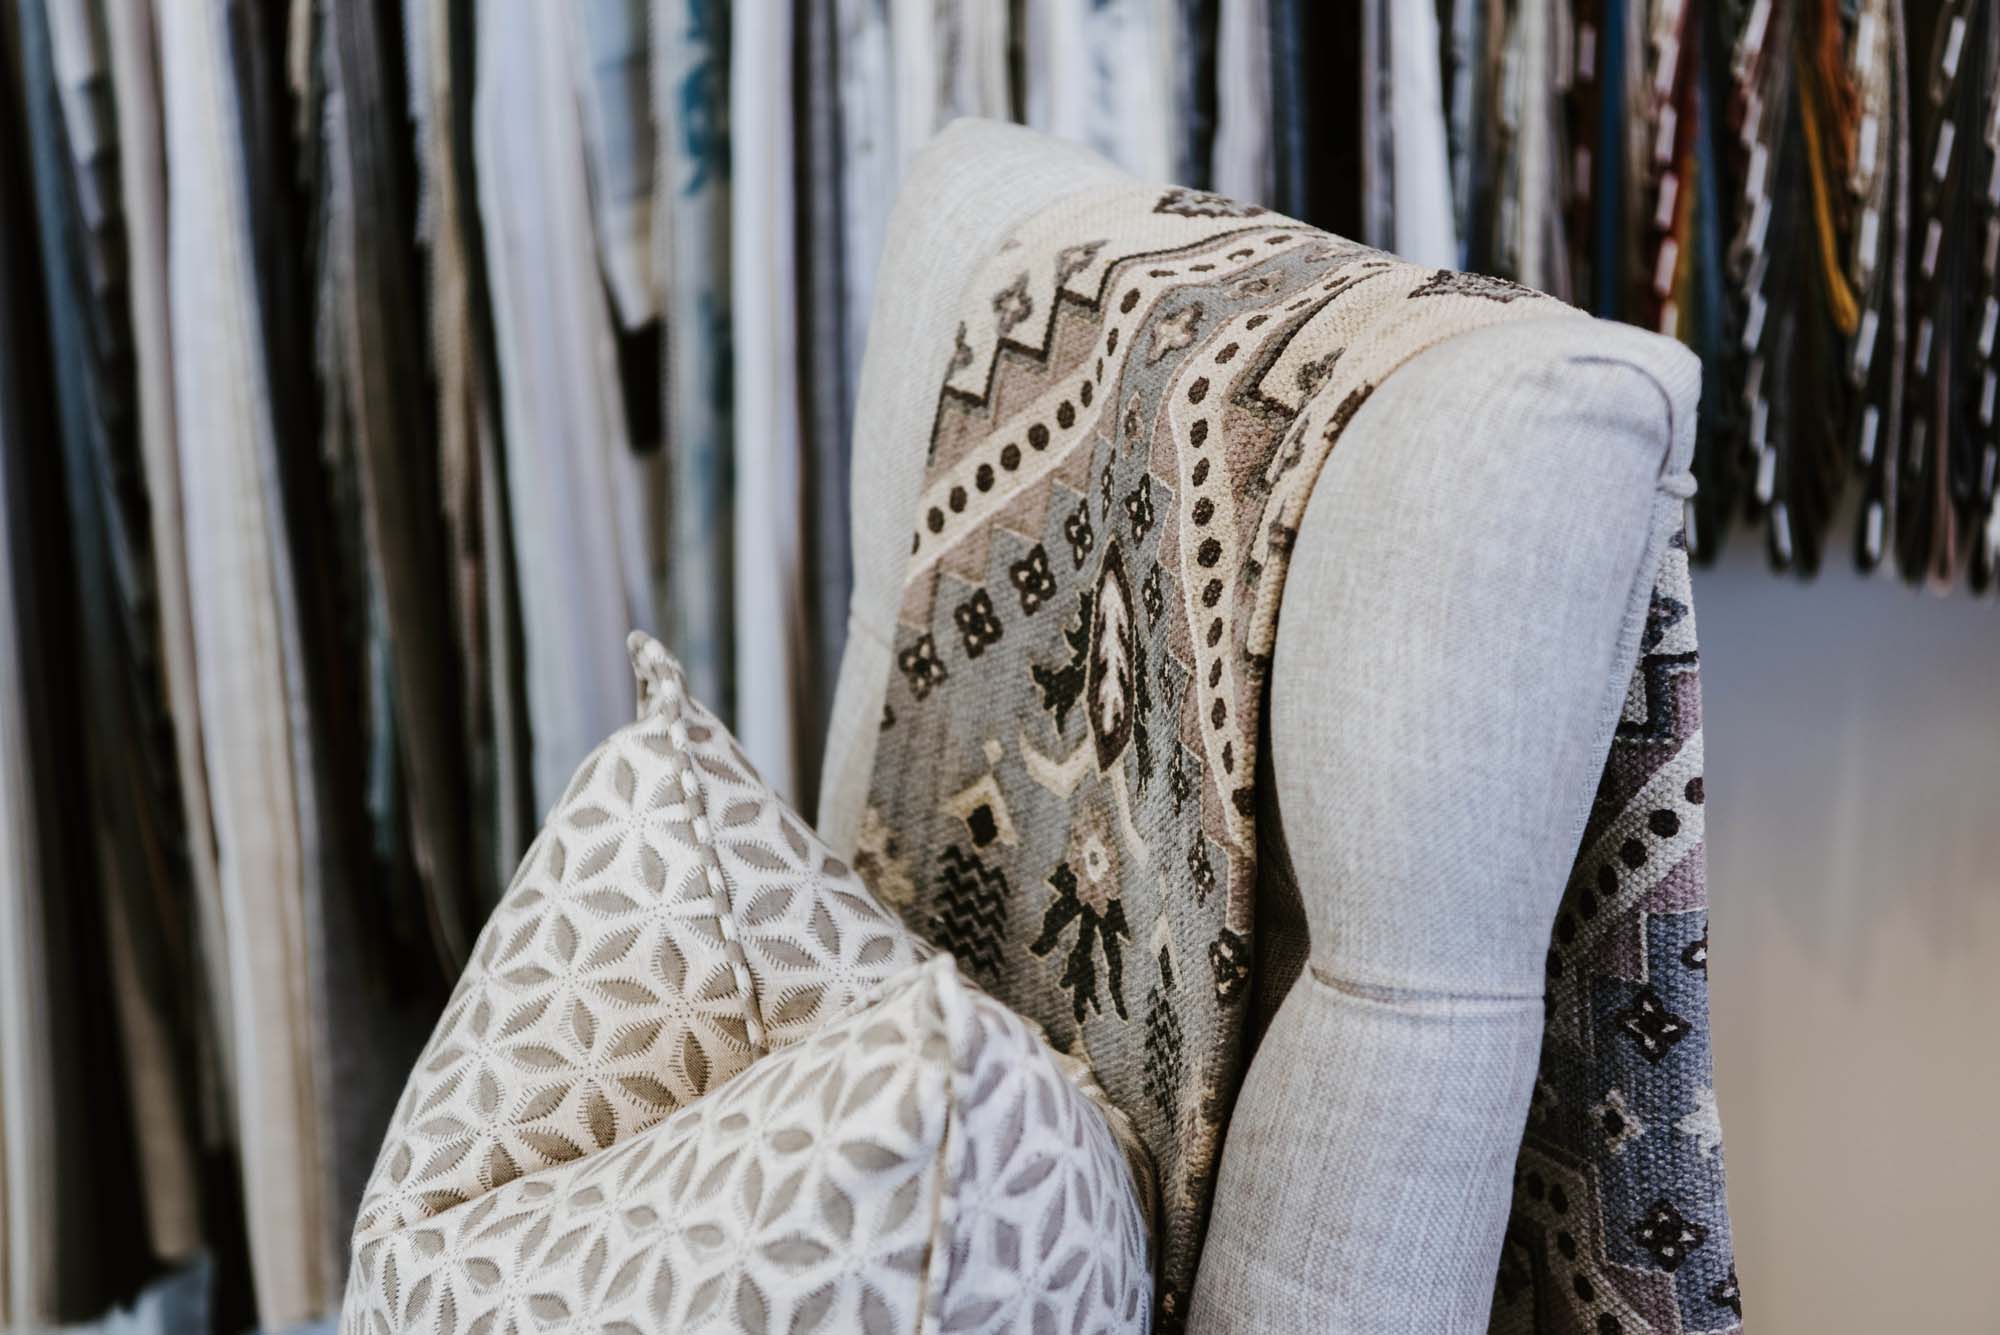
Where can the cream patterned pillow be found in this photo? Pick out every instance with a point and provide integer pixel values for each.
(922, 1164)
(558, 1159)
(672, 922)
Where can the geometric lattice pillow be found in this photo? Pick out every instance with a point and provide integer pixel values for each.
(673, 924)
(921, 1164)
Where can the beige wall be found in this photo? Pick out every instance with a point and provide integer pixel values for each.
(1853, 734)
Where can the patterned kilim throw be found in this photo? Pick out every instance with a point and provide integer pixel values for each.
(1144, 387)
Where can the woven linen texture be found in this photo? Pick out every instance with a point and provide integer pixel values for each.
(1144, 385)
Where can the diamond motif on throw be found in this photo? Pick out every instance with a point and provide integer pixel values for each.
(1229, 961)
(921, 666)
(1726, 1293)
(1152, 597)
(1032, 580)
(977, 624)
(1139, 508)
(1649, 1023)
(1201, 204)
(1073, 260)
(1176, 331)
(1694, 955)
(1076, 528)
(1011, 305)
(970, 917)
(1201, 872)
(1446, 283)
(1668, 1234)
(1616, 1122)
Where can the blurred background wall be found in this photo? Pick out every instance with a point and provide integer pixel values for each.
(1853, 733)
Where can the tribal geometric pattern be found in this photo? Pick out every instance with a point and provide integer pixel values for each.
(1144, 386)
(1619, 1217)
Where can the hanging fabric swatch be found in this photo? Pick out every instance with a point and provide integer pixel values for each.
(247, 640)
(949, 60)
(485, 616)
(1945, 491)
(578, 498)
(613, 66)
(691, 236)
(1103, 74)
(65, 1130)
(128, 735)
(770, 612)
(1424, 227)
(1243, 102)
(371, 342)
(133, 32)
(826, 416)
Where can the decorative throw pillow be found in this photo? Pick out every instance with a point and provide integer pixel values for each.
(673, 923)
(922, 1163)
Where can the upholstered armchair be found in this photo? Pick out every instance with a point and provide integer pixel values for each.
(1258, 879)
(1474, 828)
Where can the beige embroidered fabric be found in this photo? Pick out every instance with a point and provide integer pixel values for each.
(574, 1147)
(1145, 384)
(1126, 419)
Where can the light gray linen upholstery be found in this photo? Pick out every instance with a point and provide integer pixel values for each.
(1464, 607)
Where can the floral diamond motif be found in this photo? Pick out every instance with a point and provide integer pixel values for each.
(1076, 528)
(978, 626)
(1616, 1122)
(1201, 204)
(1668, 1234)
(1032, 580)
(1446, 283)
(1200, 870)
(1073, 260)
(1649, 1023)
(1176, 331)
(1139, 509)
(1012, 304)
(1726, 1292)
(1229, 962)
(921, 666)
(1151, 596)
